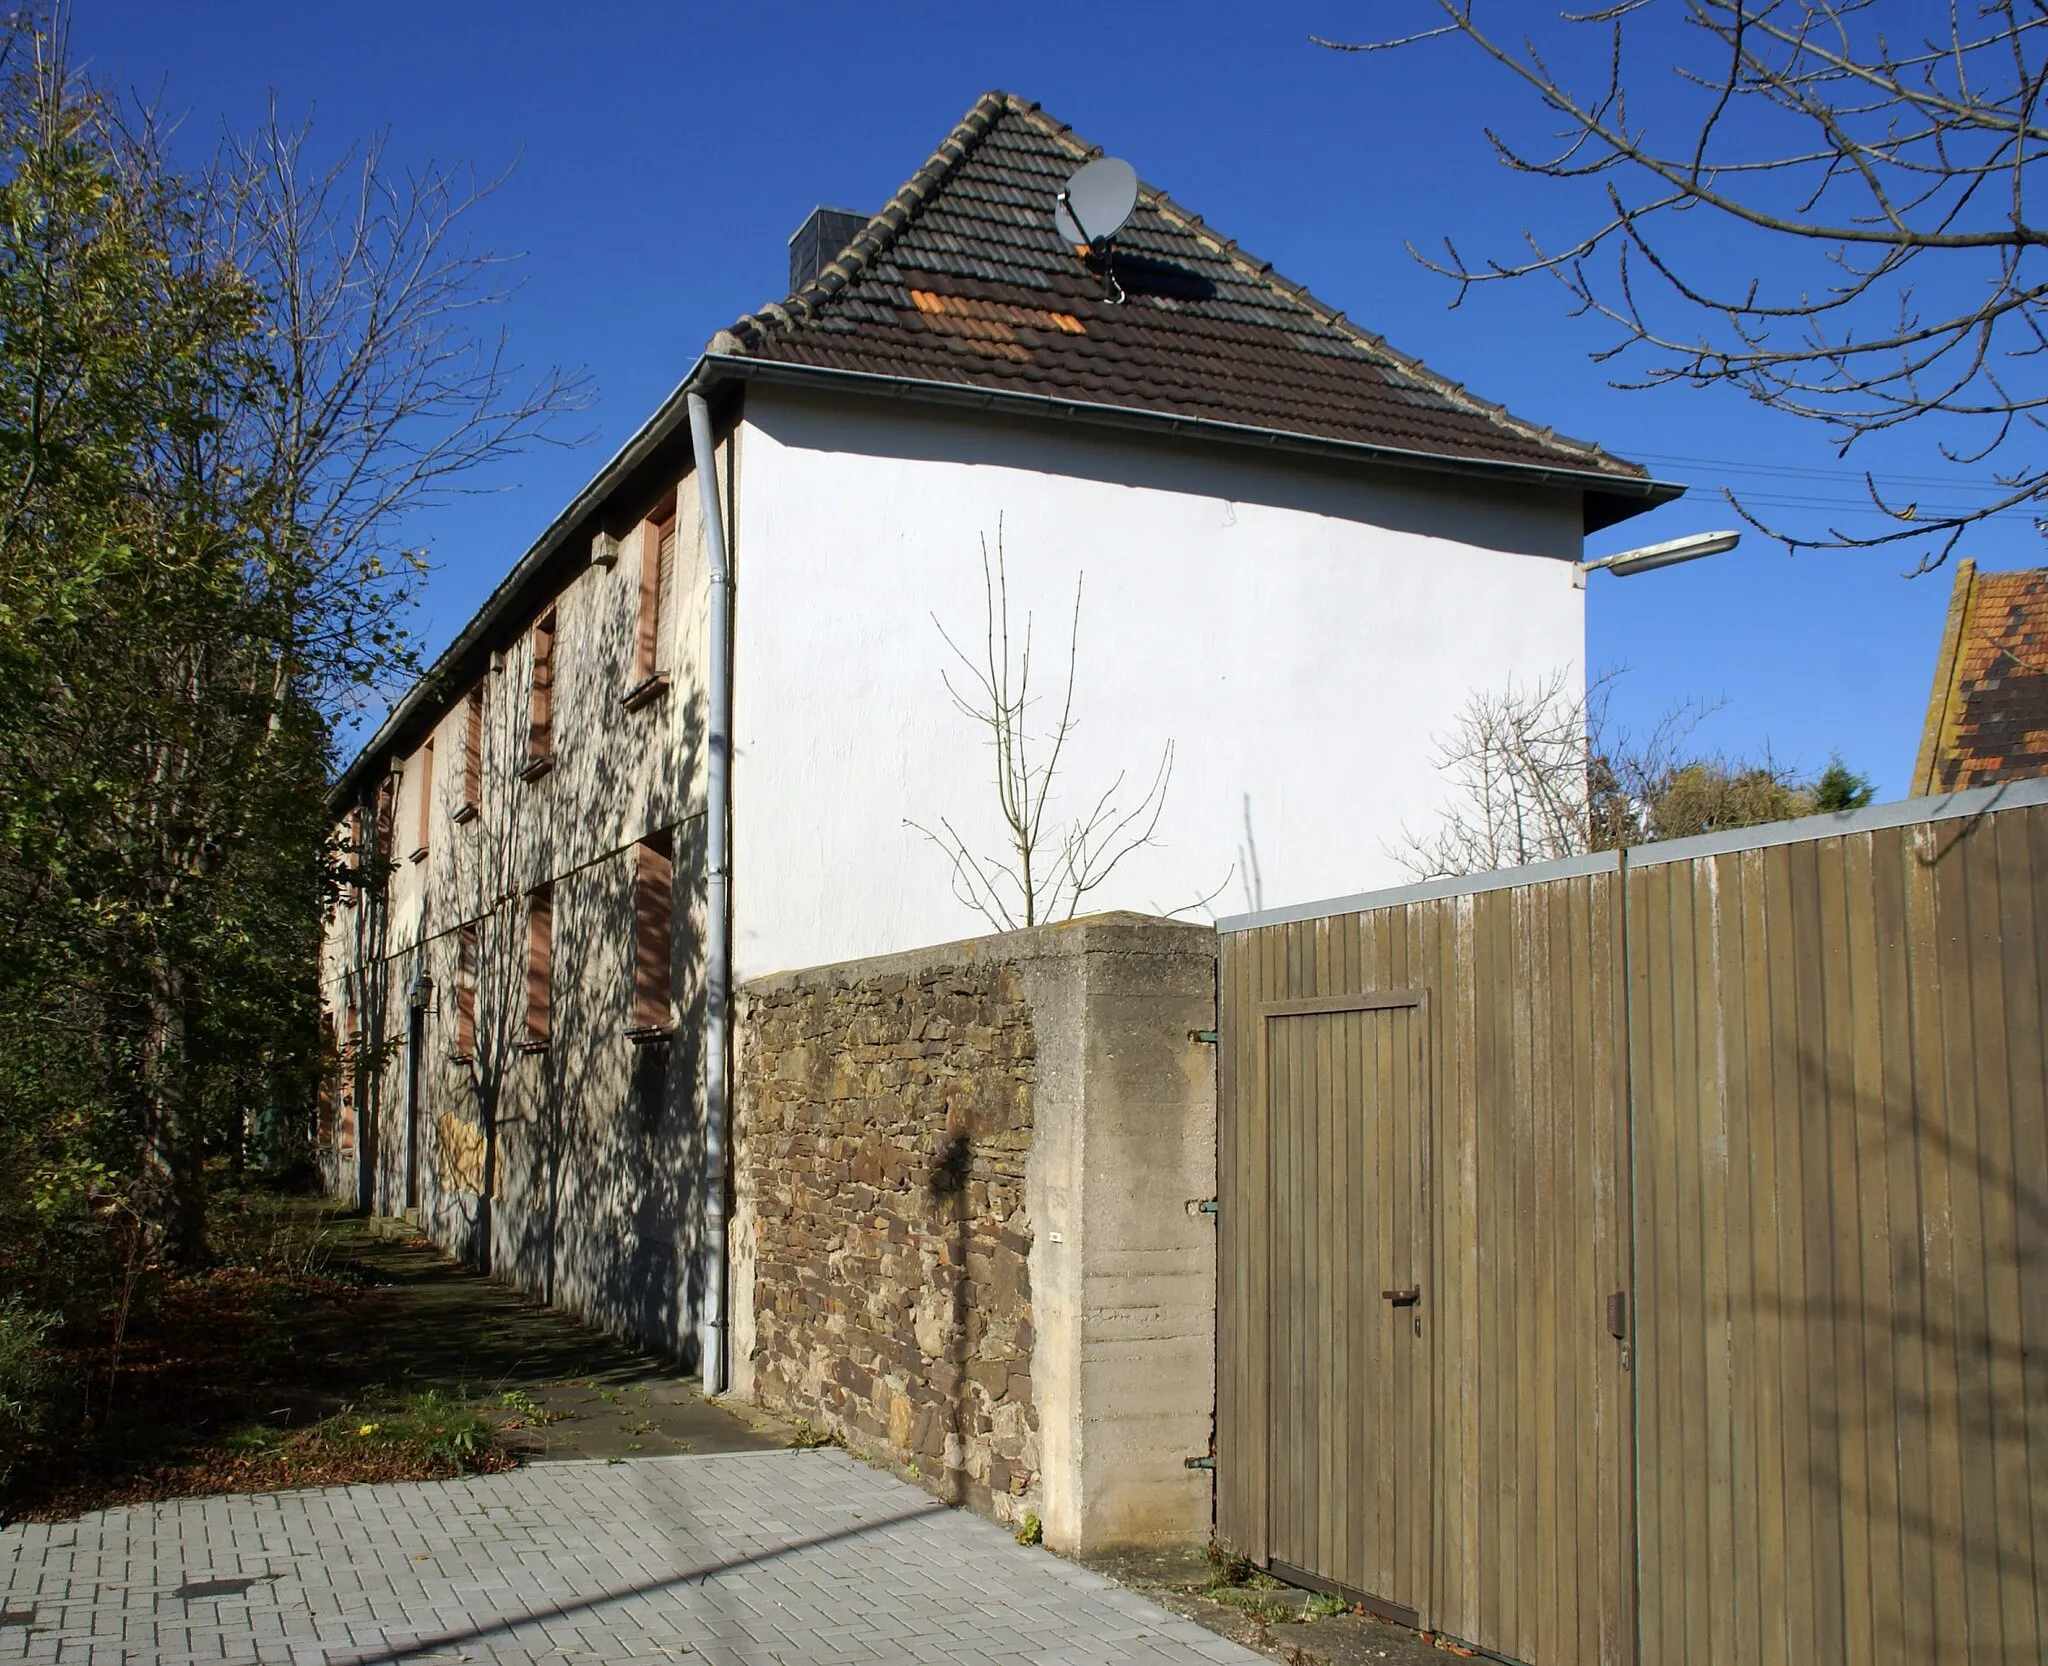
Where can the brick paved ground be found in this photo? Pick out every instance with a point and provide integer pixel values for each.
(790, 1556)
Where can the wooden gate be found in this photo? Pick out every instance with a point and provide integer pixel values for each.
(1718, 1173)
(1426, 1098)
(1347, 1140)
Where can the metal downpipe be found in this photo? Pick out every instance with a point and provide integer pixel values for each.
(717, 887)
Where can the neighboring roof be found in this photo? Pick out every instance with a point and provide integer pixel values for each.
(1987, 717)
(962, 279)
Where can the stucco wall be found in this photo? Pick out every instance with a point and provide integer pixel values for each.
(965, 1235)
(1297, 634)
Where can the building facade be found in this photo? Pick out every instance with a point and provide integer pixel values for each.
(1284, 555)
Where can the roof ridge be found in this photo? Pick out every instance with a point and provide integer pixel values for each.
(884, 227)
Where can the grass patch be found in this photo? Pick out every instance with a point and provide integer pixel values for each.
(1236, 1581)
(412, 1437)
(527, 1412)
(1230, 1567)
(1255, 1604)
(241, 1377)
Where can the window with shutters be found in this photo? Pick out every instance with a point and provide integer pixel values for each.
(540, 718)
(425, 803)
(351, 1029)
(657, 606)
(652, 954)
(387, 803)
(350, 858)
(330, 1069)
(540, 968)
(472, 756)
(465, 992)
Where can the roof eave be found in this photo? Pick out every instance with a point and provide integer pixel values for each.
(1609, 498)
(704, 375)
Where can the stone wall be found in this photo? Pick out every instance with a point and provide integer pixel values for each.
(967, 1237)
(887, 1122)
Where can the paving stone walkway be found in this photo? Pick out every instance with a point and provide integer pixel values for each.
(784, 1556)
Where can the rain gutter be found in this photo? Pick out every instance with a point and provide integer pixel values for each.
(717, 890)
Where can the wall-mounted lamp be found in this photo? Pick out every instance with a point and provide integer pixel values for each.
(1628, 563)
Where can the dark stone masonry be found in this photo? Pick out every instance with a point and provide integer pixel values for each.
(883, 1132)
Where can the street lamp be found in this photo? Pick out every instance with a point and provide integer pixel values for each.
(1627, 563)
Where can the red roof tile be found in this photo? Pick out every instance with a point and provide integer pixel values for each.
(1987, 718)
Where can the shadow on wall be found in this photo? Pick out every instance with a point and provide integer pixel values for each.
(1888, 1316)
(884, 1129)
(1477, 512)
(1842, 1221)
(568, 1167)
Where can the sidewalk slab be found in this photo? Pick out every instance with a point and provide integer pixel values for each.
(770, 1557)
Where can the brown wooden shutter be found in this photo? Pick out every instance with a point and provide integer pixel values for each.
(329, 1069)
(658, 576)
(387, 793)
(426, 774)
(350, 1030)
(540, 961)
(352, 858)
(465, 992)
(651, 945)
(540, 730)
(473, 750)
(665, 600)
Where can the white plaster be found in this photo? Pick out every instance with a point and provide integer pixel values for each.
(1298, 633)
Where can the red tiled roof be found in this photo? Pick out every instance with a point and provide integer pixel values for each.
(1987, 718)
(962, 279)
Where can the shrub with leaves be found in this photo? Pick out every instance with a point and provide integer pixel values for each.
(24, 1378)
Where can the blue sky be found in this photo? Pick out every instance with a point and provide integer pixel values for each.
(664, 153)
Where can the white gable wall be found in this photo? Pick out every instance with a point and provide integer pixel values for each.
(1299, 634)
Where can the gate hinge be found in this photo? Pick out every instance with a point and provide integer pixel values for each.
(1203, 1035)
(1201, 1206)
(1198, 1463)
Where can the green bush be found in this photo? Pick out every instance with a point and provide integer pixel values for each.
(24, 1374)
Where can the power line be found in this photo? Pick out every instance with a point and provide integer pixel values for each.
(1793, 471)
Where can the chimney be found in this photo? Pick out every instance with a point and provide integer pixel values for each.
(819, 241)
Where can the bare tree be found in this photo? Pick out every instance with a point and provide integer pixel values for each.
(387, 393)
(1878, 184)
(1542, 771)
(1045, 870)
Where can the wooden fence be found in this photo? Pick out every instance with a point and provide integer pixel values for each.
(1646, 1257)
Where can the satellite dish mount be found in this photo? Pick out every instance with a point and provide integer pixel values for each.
(1096, 204)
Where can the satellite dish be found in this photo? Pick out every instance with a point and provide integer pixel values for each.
(1097, 202)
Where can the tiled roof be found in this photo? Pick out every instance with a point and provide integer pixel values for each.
(1987, 719)
(962, 279)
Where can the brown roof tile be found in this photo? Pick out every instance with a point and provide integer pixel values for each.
(1987, 718)
(962, 279)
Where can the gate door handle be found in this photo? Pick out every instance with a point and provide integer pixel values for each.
(1403, 1298)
